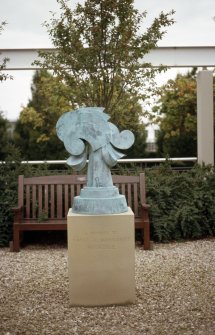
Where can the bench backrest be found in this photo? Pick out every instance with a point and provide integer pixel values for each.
(52, 196)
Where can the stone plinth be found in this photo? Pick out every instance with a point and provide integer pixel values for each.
(101, 259)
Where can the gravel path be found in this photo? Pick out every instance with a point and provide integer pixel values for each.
(175, 294)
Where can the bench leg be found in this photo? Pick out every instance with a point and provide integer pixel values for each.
(16, 239)
(146, 236)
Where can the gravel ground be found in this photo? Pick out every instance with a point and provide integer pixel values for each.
(175, 289)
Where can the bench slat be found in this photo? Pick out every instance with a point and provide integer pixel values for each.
(20, 191)
(40, 200)
(142, 188)
(129, 196)
(66, 200)
(78, 190)
(135, 196)
(125, 179)
(123, 189)
(59, 201)
(72, 193)
(27, 195)
(34, 201)
(52, 201)
(55, 180)
(46, 194)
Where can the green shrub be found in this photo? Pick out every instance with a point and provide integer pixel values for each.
(182, 203)
(9, 172)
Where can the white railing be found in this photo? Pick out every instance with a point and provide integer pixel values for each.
(132, 160)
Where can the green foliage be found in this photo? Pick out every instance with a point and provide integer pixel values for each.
(3, 76)
(182, 203)
(9, 172)
(43, 216)
(4, 136)
(138, 148)
(35, 132)
(176, 115)
(183, 145)
(99, 46)
(8, 195)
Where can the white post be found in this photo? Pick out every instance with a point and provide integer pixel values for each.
(205, 123)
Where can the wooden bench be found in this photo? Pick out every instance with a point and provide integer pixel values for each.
(43, 203)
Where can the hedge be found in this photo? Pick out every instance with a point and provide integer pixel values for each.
(182, 203)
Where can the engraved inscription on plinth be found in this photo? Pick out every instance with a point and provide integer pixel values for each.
(101, 259)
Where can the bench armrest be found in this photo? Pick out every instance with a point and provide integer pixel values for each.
(145, 212)
(17, 212)
(145, 206)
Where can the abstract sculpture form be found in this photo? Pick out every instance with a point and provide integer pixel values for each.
(87, 132)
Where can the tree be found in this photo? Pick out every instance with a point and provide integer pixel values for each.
(98, 51)
(3, 76)
(35, 132)
(176, 114)
(4, 136)
(139, 146)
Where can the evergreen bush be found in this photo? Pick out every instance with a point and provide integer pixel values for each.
(182, 203)
(9, 172)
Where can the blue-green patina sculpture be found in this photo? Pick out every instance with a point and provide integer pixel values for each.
(87, 132)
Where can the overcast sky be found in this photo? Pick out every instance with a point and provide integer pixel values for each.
(194, 27)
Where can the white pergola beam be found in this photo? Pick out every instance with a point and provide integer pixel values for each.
(22, 59)
(182, 56)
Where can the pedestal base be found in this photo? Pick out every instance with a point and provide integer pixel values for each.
(99, 200)
(101, 259)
